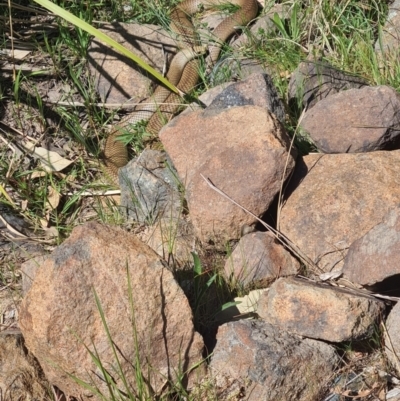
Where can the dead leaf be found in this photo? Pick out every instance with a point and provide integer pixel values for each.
(17, 54)
(44, 223)
(51, 161)
(24, 205)
(330, 275)
(53, 198)
(38, 174)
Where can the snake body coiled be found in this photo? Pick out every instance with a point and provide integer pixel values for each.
(183, 73)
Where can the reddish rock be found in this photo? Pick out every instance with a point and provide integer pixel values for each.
(319, 311)
(356, 120)
(259, 259)
(256, 361)
(242, 150)
(59, 315)
(332, 201)
(375, 256)
(28, 271)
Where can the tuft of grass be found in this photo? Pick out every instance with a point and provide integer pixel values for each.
(114, 377)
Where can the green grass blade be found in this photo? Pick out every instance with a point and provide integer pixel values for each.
(5, 194)
(119, 369)
(106, 39)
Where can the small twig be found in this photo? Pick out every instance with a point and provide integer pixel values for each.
(4, 287)
(117, 106)
(16, 131)
(96, 193)
(11, 228)
(23, 68)
(11, 36)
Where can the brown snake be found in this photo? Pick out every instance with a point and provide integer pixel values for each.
(183, 73)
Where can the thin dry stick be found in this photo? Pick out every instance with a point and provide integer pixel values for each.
(12, 38)
(11, 228)
(121, 106)
(15, 131)
(286, 242)
(96, 193)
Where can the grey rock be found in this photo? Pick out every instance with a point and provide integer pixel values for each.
(393, 394)
(149, 188)
(390, 37)
(29, 269)
(262, 362)
(313, 81)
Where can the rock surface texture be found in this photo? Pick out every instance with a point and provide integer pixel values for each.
(259, 259)
(59, 321)
(392, 337)
(257, 90)
(388, 42)
(319, 311)
(257, 361)
(314, 81)
(149, 188)
(336, 199)
(231, 147)
(118, 78)
(356, 120)
(375, 257)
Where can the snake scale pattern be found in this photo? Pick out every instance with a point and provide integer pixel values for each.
(183, 73)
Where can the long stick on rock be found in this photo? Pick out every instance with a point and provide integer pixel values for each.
(285, 241)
